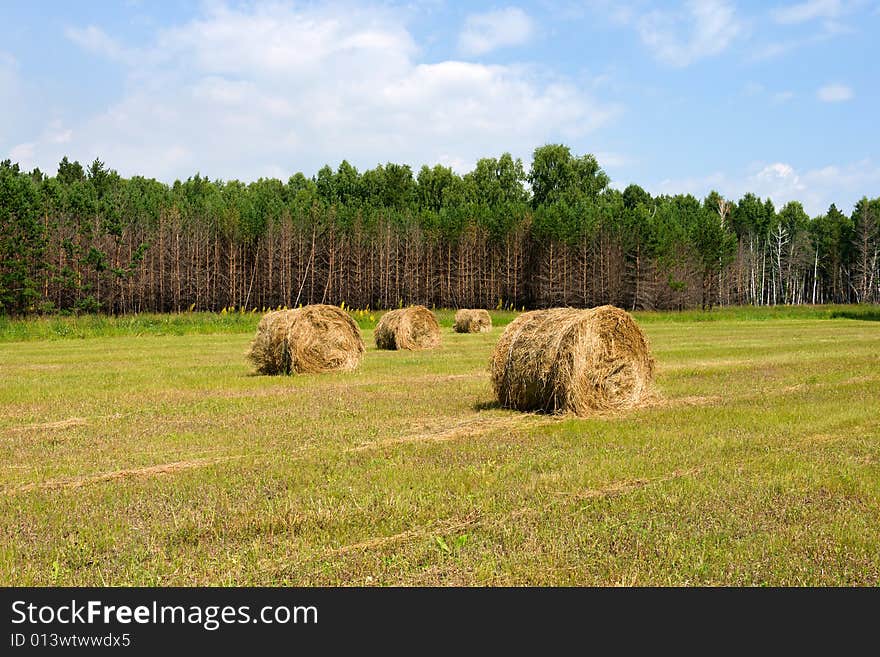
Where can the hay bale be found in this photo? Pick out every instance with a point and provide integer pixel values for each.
(412, 328)
(309, 340)
(472, 321)
(570, 360)
(323, 338)
(269, 349)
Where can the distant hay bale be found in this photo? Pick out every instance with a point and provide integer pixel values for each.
(472, 321)
(412, 328)
(570, 360)
(309, 340)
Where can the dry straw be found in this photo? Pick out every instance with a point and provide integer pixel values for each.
(308, 340)
(269, 351)
(570, 360)
(412, 328)
(472, 321)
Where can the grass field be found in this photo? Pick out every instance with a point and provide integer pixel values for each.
(145, 453)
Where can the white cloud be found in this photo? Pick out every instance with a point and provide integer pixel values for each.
(834, 93)
(612, 159)
(759, 91)
(257, 90)
(22, 152)
(782, 97)
(706, 28)
(775, 49)
(781, 182)
(54, 134)
(95, 40)
(489, 31)
(57, 133)
(806, 11)
(779, 48)
(827, 12)
(835, 28)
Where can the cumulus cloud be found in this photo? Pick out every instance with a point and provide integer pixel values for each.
(704, 29)
(489, 31)
(816, 188)
(834, 93)
(54, 135)
(265, 90)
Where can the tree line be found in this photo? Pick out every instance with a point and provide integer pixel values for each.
(89, 240)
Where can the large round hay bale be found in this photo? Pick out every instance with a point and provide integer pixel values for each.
(323, 338)
(570, 360)
(308, 340)
(472, 321)
(412, 328)
(269, 350)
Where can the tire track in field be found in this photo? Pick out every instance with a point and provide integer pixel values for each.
(147, 471)
(625, 486)
(476, 427)
(613, 489)
(48, 426)
(468, 429)
(454, 524)
(253, 393)
(326, 387)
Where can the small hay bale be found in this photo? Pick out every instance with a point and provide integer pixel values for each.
(412, 328)
(472, 321)
(269, 349)
(572, 361)
(309, 340)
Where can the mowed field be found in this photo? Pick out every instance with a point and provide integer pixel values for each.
(160, 460)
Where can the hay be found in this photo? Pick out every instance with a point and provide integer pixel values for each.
(570, 360)
(412, 328)
(309, 340)
(324, 338)
(269, 350)
(472, 321)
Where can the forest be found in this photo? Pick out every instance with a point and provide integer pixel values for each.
(500, 236)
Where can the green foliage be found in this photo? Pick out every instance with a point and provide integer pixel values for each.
(713, 243)
(498, 182)
(634, 196)
(103, 231)
(558, 175)
(22, 240)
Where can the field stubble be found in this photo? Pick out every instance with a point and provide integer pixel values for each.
(161, 460)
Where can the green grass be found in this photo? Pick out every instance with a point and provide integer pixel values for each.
(760, 313)
(62, 327)
(163, 461)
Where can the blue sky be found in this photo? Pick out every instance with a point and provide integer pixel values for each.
(776, 98)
